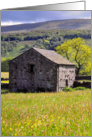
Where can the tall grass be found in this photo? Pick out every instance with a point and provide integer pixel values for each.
(46, 114)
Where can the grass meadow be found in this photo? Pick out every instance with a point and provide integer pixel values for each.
(46, 114)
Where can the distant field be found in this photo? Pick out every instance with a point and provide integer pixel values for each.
(84, 80)
(4, 74)
(88, 42)
(27, 42)
(46, 114)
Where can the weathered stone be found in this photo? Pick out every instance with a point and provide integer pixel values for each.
(82, 84)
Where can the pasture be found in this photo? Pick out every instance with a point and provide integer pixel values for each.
(46, 114)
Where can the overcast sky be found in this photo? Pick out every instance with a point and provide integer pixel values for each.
(19, 17)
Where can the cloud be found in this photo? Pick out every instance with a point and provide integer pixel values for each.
(10, 23)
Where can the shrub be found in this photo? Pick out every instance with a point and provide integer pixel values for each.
(67, 89)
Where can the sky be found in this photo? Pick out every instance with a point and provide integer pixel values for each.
(20, 17)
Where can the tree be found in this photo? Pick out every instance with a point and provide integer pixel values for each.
(77, 52)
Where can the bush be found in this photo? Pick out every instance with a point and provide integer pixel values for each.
(80, 88)
(74, 89)
(67, 89)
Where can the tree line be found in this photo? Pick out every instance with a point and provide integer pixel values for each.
(46, 39)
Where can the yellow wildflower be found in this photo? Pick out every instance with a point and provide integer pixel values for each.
(10, 129)
(3, 122)
(59, 117)
(32, 126)
(35, 125)
(52, 120)
(39, 122)
(27, 123)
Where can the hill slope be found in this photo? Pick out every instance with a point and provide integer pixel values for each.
(49, 25)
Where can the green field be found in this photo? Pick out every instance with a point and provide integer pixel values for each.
(46, 114)
(4, 74)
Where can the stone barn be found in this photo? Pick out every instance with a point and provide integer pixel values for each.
(40, 70)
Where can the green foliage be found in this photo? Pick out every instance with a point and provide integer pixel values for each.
(7, 47)
(47, 39)
(67, 89)
(15, 44)
(77, 52)
(70, 36)
(74, 89)
(4, 64)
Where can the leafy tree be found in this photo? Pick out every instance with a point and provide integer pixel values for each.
(2, 38)
(77, 52)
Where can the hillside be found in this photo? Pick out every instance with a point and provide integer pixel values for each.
(49, 25)
(15, 44)
(17, 39)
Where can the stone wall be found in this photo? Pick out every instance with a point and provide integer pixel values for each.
(43, 75)
(66, 76)
(83, 77)
(82, 84)
(4, 86)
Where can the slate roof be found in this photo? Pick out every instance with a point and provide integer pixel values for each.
(53, 56)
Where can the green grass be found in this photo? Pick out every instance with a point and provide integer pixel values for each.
(74, 89)
(46, 114)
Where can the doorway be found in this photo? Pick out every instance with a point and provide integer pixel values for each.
(66, 82)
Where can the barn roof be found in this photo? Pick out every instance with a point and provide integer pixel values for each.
(53, 56)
